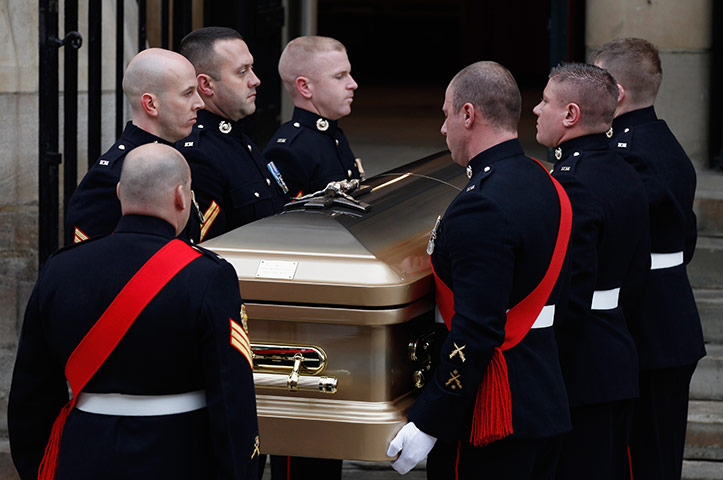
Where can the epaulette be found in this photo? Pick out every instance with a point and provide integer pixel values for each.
(624, 139)
(478, 178)
(193, 139)
(208, 253)
(568, 165)
(118, 150)
(286, 134)
(75, 245)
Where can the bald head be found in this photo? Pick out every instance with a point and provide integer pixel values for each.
(162, 90)
(299, 57)
(156, 181)
(151, 71)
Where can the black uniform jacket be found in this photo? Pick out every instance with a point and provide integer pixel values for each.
(179, 343)
(230, 177)
(311, 151)
(94, 208)
(668, 331)
(609, 249)
(493, 247)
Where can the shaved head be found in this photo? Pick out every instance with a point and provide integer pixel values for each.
(151, 71)
(150, 179)
(593, 89)
(299, 57)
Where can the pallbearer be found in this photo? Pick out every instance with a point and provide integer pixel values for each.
(667, 330)
(496, 405)
(609, 257)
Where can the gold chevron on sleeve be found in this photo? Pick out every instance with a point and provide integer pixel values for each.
(209, 216)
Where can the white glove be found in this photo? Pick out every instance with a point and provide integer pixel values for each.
(414, 446)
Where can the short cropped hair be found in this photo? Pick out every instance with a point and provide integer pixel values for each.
(199, 48)
(297, 59)
(635, 64)
(593, 89)
(492, 89)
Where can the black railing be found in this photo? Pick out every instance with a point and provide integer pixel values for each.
(246, 16)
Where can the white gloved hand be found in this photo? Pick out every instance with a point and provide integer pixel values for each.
(414, 446)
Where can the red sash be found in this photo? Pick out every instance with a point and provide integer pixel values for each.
(493, 408)
(108, 331)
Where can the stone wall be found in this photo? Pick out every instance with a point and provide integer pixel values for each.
(682, 32)
(19, 152)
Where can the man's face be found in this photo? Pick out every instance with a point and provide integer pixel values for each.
(235, 89)
(454, 130)
(551, 112)
(332, 85)
(178, 103)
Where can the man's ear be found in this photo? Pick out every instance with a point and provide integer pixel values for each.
(303, 86)
(621, 94)
(469, 114)
(149, 102)
(117, 190)
(180, 198)
(205, 84)
(572, 116)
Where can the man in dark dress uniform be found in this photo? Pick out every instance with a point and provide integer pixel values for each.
(491, 248)
(667, 329)
(175, 397)
(160, 86)
(311, 150)
(609, 257)
(234, 184)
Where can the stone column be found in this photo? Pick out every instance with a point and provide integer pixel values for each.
(682, 32)
(19, 157)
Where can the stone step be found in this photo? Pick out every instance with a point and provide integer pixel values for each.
(707, 382)
(700, 470)
(706, 269)
(710, 308)
(704, 439)
(708, 204)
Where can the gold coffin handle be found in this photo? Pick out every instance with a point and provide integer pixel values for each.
(272, 362)
(303, 383)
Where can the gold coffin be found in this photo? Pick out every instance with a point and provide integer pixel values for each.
(340, 310)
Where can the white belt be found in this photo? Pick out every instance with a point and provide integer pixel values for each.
(544, 319)
(605, 299)
(140, 405)
(665, 260)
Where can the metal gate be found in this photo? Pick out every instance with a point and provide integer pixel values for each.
(259, 22)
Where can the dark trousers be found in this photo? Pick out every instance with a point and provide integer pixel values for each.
(597, 446)
(302, 468)
(660, 420)
(507, 459)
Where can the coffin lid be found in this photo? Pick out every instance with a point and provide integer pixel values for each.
(337, 256)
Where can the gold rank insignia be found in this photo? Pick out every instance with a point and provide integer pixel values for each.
(322, 125)
(458, 351)
(454, 379)
(609, 133)
(558, 153)
(224, 126)
(257, 447)
(240, 341)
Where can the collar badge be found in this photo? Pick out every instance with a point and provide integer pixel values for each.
(469, 171)
(224, 127)
(322, 125)
(609, 133)
(558, 153)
